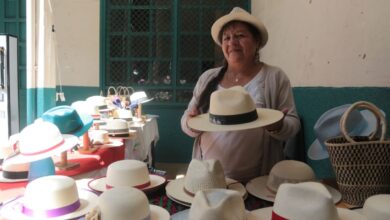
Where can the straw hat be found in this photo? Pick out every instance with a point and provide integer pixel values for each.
(51, 197)
(285, 171)
(41, 140)
(118, 128)
(139, 98)
(360, 123)
(99, 103)
(377, 207)
(101, 138)
(239, 14)
(305, 201)
(83, 107)
(124, 114)
(68, 120)
(201, 175)
(126, 203)
(216, 204)
(233, 109)
(127, 173)
(14, 172)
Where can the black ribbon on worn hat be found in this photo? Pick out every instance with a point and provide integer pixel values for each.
(233, 119)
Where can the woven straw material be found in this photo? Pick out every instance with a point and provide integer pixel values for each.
(361, 164)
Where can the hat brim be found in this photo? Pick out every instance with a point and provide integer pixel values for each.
(317, 151)
(344, 214)
(258, 188)
(88, 201)
(6, 180)
(9, 194)
(112, 143)
(87, 121)
(158, 213)
(69, 142)
(239, 16)
(265, 117)
(174, 189)
(99, 184)
(183, 215)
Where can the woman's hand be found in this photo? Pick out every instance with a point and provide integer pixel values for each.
(277, 126)
(192, 113)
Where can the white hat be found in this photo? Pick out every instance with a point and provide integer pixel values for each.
(123, 203)
(201, 175)
(216, 204)
(14, 172)
(233, 109)
(285, 171)
(139, 98)
(41, 140)
(239, 14)
(51, 197)
(118, 128)
(377, 207)
(359, 123)
(128, 173)
(305, 201)
(101, 138)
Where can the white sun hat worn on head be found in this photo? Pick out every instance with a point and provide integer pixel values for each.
(201, 175)
(52, 197)
(126, 203)
(127, 173)
(285, 171)
(216, 204)
(360, 123)
(233, 109)
(239, 14)
(41, 140)
(305, 201)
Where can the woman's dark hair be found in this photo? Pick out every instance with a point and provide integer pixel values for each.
(204, 100)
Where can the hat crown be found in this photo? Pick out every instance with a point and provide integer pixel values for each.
(127, 173)
(122, 203)
(117, 126)
(289, 171)
(238, 10)
(204, 174)
(216, 204)
(65, 118)
(83, 107)
(376, 207)
(233, 101)
(304, 201)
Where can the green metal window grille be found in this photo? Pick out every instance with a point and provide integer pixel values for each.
(160, 46)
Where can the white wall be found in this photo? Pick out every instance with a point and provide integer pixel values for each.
(77, 28)
(328, 42)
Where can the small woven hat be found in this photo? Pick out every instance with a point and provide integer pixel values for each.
(377, 207)
(51, 197)
(216, 204)
(83, 107)
(285, 171)
(123, 203)
(127, 173)
(101, 138)
(41, 140)
(305, 201)
(139, 98)
(68, 120)
(201, 175)
(233, 109)
(239, 14)
(118, 128)
(99, 103)
(14, 172)
(360, 123)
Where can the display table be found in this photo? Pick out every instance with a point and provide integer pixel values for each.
(91, 165)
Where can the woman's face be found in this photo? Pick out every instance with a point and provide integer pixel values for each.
(238, 44)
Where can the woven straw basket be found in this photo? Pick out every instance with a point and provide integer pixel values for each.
(361, 164)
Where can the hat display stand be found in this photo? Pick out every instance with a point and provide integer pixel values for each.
(86, 148)
(64, 164)
(41, 168)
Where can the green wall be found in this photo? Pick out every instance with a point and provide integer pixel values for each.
(312, 102)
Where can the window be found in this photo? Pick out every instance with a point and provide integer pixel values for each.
(160, 46)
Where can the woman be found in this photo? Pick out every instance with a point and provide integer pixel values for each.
(248, 153)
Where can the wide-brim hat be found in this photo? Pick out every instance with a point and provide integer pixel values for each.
(304, 201)
(12, 173)
(376, 207)
(10, 194)
(175, 190)
(233, 109)
(68, 120)
(100, 184)
(41, 140)
(239, 14)
(258, 188)
(139, 97)
(359, 123)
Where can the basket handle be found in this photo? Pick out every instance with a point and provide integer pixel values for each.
(380, 119)
(111, 88)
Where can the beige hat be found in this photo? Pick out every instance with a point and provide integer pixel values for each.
(216, 204)
(123, 203)
(14, 172)
(285, 171)
(239, 14)
(101, 138)
(201, 175)
(233, 109)
(305, 201)
(119, 128)
(128, 173)
(51, 197)
(377, 207)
